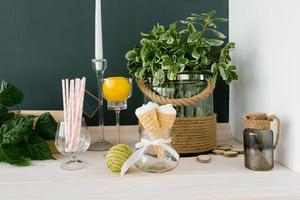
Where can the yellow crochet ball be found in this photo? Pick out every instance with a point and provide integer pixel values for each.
(116, 156)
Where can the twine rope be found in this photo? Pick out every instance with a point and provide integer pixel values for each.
(176, 102)
(254, 122)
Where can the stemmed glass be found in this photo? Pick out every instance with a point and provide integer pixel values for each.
(116, 91)
(77, 145)
(100, 65)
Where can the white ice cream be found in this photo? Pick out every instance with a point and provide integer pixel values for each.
(145, 108)
(167, 109)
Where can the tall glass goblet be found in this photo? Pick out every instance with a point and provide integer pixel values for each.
(116, 91)
(99, 66)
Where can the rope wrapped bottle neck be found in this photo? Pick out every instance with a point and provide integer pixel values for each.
(263, 121)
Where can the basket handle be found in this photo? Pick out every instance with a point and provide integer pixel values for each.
(278, 134)
(176, 102)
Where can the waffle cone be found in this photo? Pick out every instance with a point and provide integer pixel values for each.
(149, 120)
(165, 120)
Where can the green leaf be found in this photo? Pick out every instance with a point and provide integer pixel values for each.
(37, 148)
(177, 68)
(142, 72)
(204, 60)
(170, 75)
(159, 74)
(14, 130)
(46, 126)
(218, 34)
(212, 13)
(214, 67)
(220, 19)
(232, 67)
(3, 110)
(6, 117)
(155, 81)
(223, 73)
(166, 62)
(145, 42)
(212, 24)
(13, 154)
(10, 95)
(170, 40)
(215, 42)
(194, 37)
(183, 61)
(183, 31)
(130, 55)
(198, 52)
(191, 28)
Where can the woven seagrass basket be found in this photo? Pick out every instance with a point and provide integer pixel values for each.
(190, 135)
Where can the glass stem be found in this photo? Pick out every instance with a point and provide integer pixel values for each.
(100, 96)
(118, 125)
(74, 157)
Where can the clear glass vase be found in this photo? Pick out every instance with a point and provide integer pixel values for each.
(155, 158)
(183, 86)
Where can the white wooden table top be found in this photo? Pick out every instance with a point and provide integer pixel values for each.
(222, 178)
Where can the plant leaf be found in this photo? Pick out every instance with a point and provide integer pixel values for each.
(166, 62)
(14, 130)
(10, 95)
(218, 34)
(46, 126)
(183, 61)
(170, 40)
(194, 37)
(223, 73)
(159, 74)
(37, 148)
(155, 81)
(215, 42)
(214, 67)
(13, 154)
(3, 111)
(220, 19)
(191, 28)
(130, 55)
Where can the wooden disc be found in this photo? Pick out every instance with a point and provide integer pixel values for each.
(224, 145)
(204, 158)
(224, 148)
(218, 152)
(239, 150)
(230, 154)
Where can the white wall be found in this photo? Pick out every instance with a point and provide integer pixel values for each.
(267, 36)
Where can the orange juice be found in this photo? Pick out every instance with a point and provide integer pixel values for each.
(116, 89)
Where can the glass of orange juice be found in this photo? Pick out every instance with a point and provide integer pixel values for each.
(116, 91)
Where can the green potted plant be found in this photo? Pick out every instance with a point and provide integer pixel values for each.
(180, 65)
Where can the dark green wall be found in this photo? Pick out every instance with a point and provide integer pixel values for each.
(42, 42)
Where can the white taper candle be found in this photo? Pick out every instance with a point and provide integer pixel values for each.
(98, 31)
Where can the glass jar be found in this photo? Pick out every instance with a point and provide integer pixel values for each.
(259, 141)
(156, 158)
(183, 86)
(259, 149)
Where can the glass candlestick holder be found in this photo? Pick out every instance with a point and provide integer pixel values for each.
(99, 66)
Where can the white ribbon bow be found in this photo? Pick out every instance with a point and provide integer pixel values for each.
(141, 148)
